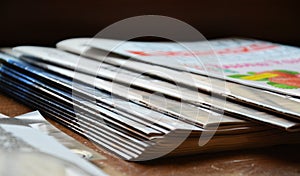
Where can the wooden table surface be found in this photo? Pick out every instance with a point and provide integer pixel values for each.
(278, 160)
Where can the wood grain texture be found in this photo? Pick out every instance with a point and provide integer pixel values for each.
(272, 161)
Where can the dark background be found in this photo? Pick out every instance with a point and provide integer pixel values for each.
(47, 22)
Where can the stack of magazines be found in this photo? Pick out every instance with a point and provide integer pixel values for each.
(146, 100)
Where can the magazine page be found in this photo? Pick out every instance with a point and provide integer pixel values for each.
(175, 108)
(17, 137)
(237, 92)
(255, 63)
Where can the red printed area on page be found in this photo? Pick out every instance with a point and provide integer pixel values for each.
(237, 50)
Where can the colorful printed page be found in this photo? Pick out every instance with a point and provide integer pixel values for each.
(254, 63)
